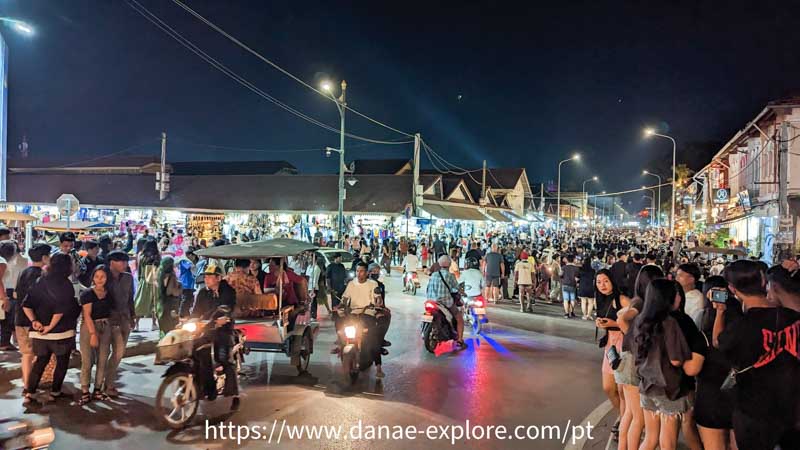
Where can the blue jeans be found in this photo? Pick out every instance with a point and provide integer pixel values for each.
(119, 341)
(569, 293)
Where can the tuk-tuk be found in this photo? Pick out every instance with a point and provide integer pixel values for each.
(291, 331)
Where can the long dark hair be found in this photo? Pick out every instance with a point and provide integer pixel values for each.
(60, 266)
(605, 303)
(150, 254)
(658, 301)
(646, 276)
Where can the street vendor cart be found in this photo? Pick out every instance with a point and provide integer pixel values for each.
(290, 331)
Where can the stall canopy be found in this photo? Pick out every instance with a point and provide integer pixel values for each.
(272, 248)
(441, 211)
(10, 216)
(497, 216)
(61, 225)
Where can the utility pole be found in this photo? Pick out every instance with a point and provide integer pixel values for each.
(415, 182)
(786, 229)
(483, 183)
(541, 200)
(163, 177)
(340, 221)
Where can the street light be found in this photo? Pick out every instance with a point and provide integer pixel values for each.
(575, 157)
(583, 190)
(341, 105)
(648, 132)
(653, 198)
(22, 28)
(658, 218)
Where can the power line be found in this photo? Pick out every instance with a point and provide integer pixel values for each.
(282, 70)
(260, 150)
(132, 147)
(655, 186)
(163, 26)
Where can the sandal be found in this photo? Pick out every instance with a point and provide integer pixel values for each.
(85, 398)
(99, 395)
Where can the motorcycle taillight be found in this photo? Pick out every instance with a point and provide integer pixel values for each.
(478, 302)
(430, 306)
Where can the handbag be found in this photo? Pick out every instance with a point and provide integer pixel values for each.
(455, 295)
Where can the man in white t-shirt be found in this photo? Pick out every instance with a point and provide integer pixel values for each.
(472, 278)
(688, 276)
(524, 273)
(361, 290)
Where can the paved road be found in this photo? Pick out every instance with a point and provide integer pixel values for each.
(513, 375)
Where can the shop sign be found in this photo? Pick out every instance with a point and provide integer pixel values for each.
(744, 199)
(721, 196)
(784, 237)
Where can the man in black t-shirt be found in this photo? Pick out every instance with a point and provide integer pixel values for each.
(631, 272)
(760, 348)
(336, 276)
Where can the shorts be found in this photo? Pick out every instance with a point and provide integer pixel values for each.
(23, 340)
(661, 404)
(626, 372)
(569, 293)
(492, 281)
(615, 339)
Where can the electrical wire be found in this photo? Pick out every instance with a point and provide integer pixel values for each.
(277, 67)
(132, 147)
(631, 190)
(163, 26)
(259, 150)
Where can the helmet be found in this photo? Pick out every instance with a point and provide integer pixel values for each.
(472, 263)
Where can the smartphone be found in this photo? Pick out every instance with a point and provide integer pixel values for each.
(719, 296)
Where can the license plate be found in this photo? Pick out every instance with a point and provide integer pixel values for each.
(427, 318)
(479, 310)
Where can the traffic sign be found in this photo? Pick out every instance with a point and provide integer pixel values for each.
(68, 204)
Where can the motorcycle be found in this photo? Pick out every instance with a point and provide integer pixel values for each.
(475, 313)
(26, 433)
(180, 392)
(411, 283)
(438, 324)
(357, 346)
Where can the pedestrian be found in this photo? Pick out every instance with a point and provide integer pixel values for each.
(122, 318)
(386, 257)
(336, 279)
(631, 272)
(454, 269)
(524, 274)
(95, 337)
(660, 351)
(569, 286)
(169, 296)
(765, 377)
(586, 288)
(713, 408)
(609, 301)
(53, 311)
(423, 251)
(40, 257)
(90, 262)
(688, 275)
(493, 271)
(187, 280)
(10, 268)
(147, 276)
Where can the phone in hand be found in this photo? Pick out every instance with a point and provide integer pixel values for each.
(719, 296)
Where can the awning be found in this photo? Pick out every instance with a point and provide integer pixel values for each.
(497, 216)
(452, 212)
(513, 216)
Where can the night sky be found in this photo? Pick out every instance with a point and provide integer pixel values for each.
(516, 83)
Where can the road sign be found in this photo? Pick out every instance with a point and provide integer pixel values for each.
(68, 204)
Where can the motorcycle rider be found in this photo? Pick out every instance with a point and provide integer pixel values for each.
(438, 291)
(472, 278)
(361, 293)
(410, 265)
(217, 292)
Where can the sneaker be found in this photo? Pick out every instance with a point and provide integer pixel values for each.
(566, 316)
(379, 373)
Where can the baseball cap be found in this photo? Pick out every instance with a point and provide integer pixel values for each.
(212, 269)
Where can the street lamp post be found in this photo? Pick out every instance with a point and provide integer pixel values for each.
(575, 157)
(583, 192)
(341, 105)
(652, 198)
(23, 28)
(650, 132)
(658, 218)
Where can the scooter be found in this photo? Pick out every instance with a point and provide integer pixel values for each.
(438, 324)
(475, 313)
(411, 283)
(357, 346)
(180, 392)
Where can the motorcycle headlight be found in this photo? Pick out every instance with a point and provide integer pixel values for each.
(350, 332)
(189, 326)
